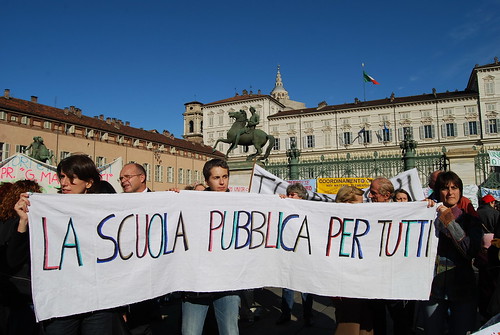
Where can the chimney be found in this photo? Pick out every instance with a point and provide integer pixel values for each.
(101, 117)
(34, 98)
(127, 123)
(6, 93)
(108, 120)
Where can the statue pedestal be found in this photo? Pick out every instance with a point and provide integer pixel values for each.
(240, 175)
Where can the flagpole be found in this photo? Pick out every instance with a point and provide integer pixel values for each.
(364, 82)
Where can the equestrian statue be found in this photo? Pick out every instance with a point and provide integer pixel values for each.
(243, 132)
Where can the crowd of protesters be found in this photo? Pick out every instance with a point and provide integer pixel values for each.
(464, 293)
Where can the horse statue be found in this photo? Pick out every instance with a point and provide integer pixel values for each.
(247, 136)
(39, 151)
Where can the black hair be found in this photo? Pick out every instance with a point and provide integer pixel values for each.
(82, 167)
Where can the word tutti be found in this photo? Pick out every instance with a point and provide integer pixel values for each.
(407, 240)
(255, 229)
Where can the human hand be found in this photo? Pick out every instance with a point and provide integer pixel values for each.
(22, 208)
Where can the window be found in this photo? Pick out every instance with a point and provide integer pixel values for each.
(211, 120)
(170, 174)
(308, 124)
(13, 118)
(384, 135)
(47, 125)
(326, 123)
(426, 113)
(491, 107)
(191, 126)
(291, 126)
(309, 141)
(492, 126)
(470, 128)
(408, 131)
(274, 129)
(345, 121)
(276, 145)
(449, 130)
(189, 177)
(3, 116)
(100, 161)
(470, 110)
(158, 173)
(147, 167)
(21, 148)
(365, 136)
(363, 119)
(289, 142)
(346, 138)
(427, 131)
(328, 138)
(180, 176)
(197, 175)
(384, 118)
(64, 154)
(489, 87)
(221, 119)
(4, 151)
(25, 120)
(447, 111)
(405, 115)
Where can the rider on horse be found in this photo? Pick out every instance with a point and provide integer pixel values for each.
(250, 126)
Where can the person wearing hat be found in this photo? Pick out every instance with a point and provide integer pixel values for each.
(488, 214)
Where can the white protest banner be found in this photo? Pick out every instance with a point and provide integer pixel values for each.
(410, 182)
(21, 166)
(111, 172)
(493, 192)
(98, 251)
(494, 157)
(264, 182)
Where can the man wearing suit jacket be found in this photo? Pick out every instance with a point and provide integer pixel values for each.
(140, 315)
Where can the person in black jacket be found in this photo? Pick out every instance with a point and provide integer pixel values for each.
(15, 283)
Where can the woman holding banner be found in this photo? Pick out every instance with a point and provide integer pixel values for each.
(453, 302)
(353, 316)
(77, 175)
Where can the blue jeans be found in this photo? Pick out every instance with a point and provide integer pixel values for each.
(287, 302)
(99, 322)
(226, 313)
(462, 317)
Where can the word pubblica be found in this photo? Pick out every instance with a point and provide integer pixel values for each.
(121, 237)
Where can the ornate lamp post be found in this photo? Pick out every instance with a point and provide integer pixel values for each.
(293, 160)
(408, 146)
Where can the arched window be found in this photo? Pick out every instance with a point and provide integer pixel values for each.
(191, 126)
(201, 126)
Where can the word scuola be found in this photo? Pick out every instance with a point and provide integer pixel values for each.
(145, 225)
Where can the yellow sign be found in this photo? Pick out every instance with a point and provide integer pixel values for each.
(332, 185)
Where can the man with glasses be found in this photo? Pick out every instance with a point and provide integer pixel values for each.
(133, 178)
(141, 314)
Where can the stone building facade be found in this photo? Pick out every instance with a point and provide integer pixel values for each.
(169, 161)
(461, 121)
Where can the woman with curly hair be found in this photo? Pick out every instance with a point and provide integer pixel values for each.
(15, 284)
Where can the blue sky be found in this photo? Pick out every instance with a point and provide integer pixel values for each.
(140, 61)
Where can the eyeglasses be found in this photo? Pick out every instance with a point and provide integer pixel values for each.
(127, 177)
